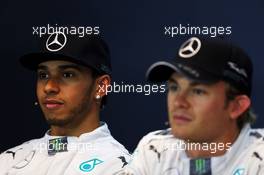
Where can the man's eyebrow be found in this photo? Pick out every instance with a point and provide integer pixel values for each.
(193, 83)
(172, 80)
(42, 67)
(70, 66)
(197, 83)
(62, 67)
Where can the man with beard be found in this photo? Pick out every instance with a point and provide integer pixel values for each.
(209, 111)
(71, 86)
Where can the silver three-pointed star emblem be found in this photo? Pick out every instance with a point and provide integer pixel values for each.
(56, 41)
(190, 47)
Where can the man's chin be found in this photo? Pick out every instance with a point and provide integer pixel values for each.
(57, 122)
(187, 137)
(180, 134)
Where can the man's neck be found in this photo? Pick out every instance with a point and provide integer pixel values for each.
(88, 124)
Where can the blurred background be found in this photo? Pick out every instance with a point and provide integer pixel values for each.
(134, 31)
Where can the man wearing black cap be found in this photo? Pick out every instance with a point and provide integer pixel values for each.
(71, 71)
(209, 108)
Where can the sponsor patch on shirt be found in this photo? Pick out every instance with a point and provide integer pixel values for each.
(200, 166)
(89, 165)
(57, 145)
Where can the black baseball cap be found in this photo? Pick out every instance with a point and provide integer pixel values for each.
(91, 51)
(207, 60)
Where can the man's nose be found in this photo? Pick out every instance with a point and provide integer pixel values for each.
(52, 87)
(181, 100)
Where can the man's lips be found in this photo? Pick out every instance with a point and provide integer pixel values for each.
(181, 118)
(53, 103)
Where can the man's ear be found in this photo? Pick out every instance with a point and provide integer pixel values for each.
(102, 85)
(239, 105)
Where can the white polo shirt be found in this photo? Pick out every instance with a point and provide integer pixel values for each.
(93, 153)
(157, 154)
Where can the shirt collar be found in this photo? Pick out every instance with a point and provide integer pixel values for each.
(101, 132)
(240, 144)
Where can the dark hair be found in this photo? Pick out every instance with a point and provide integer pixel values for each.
(246, 117)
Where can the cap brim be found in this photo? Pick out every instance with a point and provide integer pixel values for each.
(162, 70)
(32, 60)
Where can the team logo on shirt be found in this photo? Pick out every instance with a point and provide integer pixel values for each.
(123, 159)
(13, 152)
(239, 171)
(152, 148)
(89, 165)
(25, 161)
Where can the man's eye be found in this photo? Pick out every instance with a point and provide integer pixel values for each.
(198, 91)
(173, 87)
(43, 75)
(68, 74)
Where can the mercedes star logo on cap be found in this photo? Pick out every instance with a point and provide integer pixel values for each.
(190, 47)
(56, 41)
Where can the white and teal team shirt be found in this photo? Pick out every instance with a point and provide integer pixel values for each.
(158, 153)
(93, 153)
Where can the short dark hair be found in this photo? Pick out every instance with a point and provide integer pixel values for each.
(246, 117)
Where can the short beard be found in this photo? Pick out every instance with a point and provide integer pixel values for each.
(75, 115)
